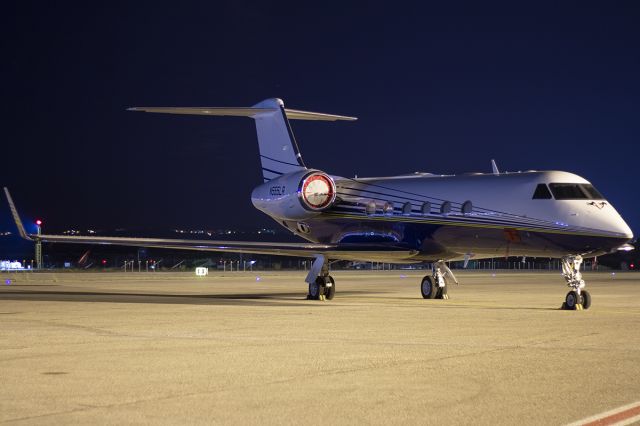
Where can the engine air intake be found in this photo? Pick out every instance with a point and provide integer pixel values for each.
(317, 191)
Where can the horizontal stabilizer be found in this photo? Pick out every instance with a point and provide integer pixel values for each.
(279, 151)
(237, 112)
(292, 114)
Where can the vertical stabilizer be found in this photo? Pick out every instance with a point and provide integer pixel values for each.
(279, 152)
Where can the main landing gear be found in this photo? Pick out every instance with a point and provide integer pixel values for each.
(434, 286)
(322, 286)
(577, 298)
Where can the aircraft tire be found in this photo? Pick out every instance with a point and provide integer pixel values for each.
(571, 301)
(586, 299)
(314, 290)
(428, 289)
(329, 292)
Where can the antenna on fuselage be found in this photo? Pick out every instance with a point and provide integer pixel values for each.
(494, 167)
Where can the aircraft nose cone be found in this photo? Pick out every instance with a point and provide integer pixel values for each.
(610, 220)
(623, 228)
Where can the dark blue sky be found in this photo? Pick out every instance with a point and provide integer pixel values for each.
(436, 88)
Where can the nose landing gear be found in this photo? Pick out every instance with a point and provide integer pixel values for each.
(578, 298)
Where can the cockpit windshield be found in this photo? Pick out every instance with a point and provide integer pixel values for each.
(575, 191)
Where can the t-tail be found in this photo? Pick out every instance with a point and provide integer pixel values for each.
(279, 151)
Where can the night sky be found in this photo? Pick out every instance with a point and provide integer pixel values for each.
(436, 88)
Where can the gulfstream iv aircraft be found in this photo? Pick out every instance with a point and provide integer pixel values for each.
(412, 218)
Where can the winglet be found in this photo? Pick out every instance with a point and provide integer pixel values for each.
(16, 217)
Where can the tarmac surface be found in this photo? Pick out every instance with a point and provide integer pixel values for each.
(241, 348)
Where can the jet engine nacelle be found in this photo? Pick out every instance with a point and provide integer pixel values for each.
(298, 195)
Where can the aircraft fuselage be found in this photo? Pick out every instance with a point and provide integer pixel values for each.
(474, 215)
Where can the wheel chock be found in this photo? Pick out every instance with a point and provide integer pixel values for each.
(322, 298)
(445, 297)
(578, 307)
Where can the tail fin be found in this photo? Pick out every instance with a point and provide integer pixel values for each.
(279, 152)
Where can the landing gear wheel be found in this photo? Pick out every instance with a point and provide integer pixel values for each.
(578, 298)
(586, 299)
(571, 301)
(314, 290)
(330, 287)
(428, 289)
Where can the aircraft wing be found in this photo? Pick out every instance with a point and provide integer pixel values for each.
(331, 251)
(363, 252)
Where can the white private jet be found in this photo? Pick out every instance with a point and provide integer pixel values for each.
(419, 217)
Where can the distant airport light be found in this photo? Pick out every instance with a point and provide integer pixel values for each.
(38, 222)
(632, 266)
(104, 261)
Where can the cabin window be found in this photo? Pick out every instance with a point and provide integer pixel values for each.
(542, 192)
(426, 208)
(371, 207)
(467, 207)
(575, 191)
(445, 208)
(406, 208)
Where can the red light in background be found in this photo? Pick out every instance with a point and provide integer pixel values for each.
(104, 261)
(632, 266)
(38, 222)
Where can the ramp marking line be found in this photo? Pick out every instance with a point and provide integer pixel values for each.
(620, 416)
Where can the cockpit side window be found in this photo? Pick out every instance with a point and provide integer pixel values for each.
(575, 191)
(542, 192)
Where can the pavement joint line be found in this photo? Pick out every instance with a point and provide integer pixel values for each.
(624, 415)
